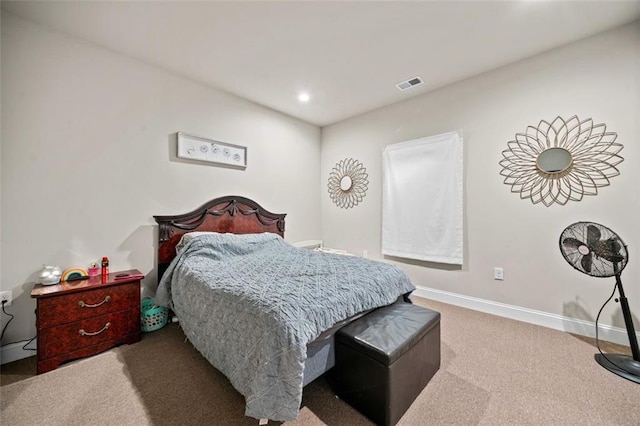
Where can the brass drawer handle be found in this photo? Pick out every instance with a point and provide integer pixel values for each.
(86, 305)
(86, 333)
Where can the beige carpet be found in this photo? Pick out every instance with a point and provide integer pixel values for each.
(494, 371)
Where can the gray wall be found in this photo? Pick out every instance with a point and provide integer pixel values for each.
(87, 159)
(596, 77)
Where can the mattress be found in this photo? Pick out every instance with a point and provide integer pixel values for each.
(252, 304)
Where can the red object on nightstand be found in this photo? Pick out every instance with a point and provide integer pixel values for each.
(76, 319)
(105, 265)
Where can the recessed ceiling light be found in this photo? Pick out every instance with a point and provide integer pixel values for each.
(304, 97)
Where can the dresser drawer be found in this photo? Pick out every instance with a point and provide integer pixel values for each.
(76, 335)
(86, 304)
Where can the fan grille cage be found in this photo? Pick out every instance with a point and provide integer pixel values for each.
(593, 249)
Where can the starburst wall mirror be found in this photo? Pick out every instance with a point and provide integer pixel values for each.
(561, 161)
(348, 183)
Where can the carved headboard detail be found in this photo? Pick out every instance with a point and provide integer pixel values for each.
(232, 213)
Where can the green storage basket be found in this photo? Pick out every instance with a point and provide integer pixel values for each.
(152, 317)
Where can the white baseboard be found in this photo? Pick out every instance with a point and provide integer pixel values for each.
(14, 351)
(545, 319)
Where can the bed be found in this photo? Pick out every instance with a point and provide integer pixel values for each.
(258, 309)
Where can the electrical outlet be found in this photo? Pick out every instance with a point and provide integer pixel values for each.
(498, 274)
(365, 254)
(6, 295)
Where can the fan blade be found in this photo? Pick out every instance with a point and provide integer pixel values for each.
(609, 250)
(572, 243)
(614, 245)
(586, 262)
(593, 235)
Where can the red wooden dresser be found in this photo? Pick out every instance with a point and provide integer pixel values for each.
(76, 319)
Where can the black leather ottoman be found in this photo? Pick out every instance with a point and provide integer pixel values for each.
(385, 359)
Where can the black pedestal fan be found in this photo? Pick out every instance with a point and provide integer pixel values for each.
(597, 251)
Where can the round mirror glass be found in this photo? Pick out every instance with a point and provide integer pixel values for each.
(345, 183)
(554, 160)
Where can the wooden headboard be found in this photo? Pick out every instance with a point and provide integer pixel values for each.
(233, 214)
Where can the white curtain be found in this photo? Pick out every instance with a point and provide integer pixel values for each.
(422, 199)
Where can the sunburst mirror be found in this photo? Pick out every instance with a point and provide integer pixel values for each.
(561, 161)
(348, 183)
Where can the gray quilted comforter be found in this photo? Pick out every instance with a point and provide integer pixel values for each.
(251, 303)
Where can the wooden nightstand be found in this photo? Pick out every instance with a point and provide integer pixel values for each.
(76, 319)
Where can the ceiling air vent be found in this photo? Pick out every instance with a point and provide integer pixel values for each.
(415, 81)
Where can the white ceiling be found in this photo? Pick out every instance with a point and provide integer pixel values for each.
(348, 55)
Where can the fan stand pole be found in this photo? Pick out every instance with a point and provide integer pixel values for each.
(624, 365)
(628, 320)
